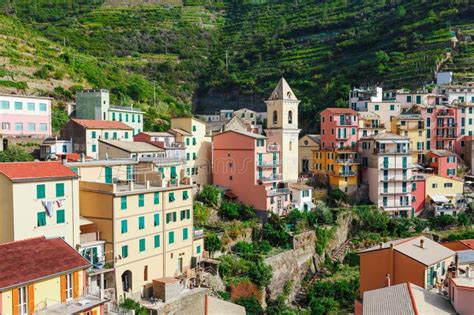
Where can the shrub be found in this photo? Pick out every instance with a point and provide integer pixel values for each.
(260, 274)
(229, 210)
(15, 153)
(212, 243)
(201, 214)
(275, 232)
(210, 195)
(251, 304)
(130, 304)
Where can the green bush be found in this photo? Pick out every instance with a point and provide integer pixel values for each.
(15, 153)
(201, 214)
(210, 195)
(251, 304)
(229, 210)
(212, 243)
(130, 304)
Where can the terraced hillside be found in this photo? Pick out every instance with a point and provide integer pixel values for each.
(462, 60)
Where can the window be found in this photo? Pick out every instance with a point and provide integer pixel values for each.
(19, 126)
(123, 226)
(290, 117)
(31, 127)
(113, 116)
(194, 128)
(141, 245)
(115, 135)
(22, 301)
(156, 198)
(185, 195)
(408, 98)
(376, 107)
(139, 118)
(171, 237)
(418, 99)
(126, 135)
(133, 118)
(123, 202)
(156, 219)
(124, 251)
(31, 106)
(42, 107)
(41, 218)
(94, 148)
(69, 286)
(120, 116)
(156, 241)
(187, 141)
(434, 185)
(141, 222)
(60, 217)
(392, 107)
(183, 215)
(141, 200)
(194, 156)
(18, 105)
(59, 190)
(43, 127)
(187, 156)
(94, 134)
(275, 117)
(171, 197)
(40, 191)
(185, 234)
(194, 141)
(126, 117)
(5, 126)
(448, 185)
(5, 105)
(106, 135)
(198, 249)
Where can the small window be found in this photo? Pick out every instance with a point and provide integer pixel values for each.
(156, 198)
(141, 200)
(141, 222)
(31, 106)
(156, 219)
(60, 216)
(194, 128)
(157, 241)
(198, 249)
(185, 234)
(94, 134)
(171, 197)
(124, 226)
(275, 117)
(123, 202)
(59, 190)
(94, 148)
(18, 105)
(42, 107)
(171, 237)
(185, 195)
(290, 117)
(124, 251)
(141, 244)
(40, 191)
(41, 218)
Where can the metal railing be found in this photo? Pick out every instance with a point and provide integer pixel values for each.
(279, 191)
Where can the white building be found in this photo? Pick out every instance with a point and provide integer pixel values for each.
(52, 147)
(302, 196)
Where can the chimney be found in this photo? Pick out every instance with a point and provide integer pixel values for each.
(422, 243)
(387, 280)
(82, 157)
(381, 245)
(468, 272)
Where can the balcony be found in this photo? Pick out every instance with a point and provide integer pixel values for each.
(348, 161)
(273, 178)
(273, 148)
(198, 234)
(343, 174)
(279, 191)
(444, 113)
(394, 167)
(450, 125)
(392, 151)
(395, 191)
(395, 178)
(268, 164)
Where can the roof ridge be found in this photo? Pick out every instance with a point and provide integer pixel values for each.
(25, 239)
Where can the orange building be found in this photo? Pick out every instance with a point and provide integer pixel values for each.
(418, 260)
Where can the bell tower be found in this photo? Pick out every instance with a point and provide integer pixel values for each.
(282, 127)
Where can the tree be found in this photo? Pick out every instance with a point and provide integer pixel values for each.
(261, 274)
(251, 304)
(229, 210)
(212, 243)
(210, 195)
(201, 214)
(15, 153)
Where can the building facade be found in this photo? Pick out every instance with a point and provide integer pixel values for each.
(306, 145)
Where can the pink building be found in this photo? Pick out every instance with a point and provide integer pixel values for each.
(443, 162)
(461, 291)
(249, 167)
(22, 115)
(443, 128)
(339, 128)
(418, 193)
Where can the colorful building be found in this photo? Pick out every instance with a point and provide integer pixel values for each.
(302, 196)
(244, 163)
(52, 148)
(45, 276)
(22, 115)
(164, 140)
(411, 124)
(85, 134)
(338, 157)
(369, 124)
(192, 132)
(443, 131)
(444, 195)
(38, 199)
(117, 149)
(418, 260)
(418, 193)
(306, 145)
(387, 169)
(443, 162)
(282, 128)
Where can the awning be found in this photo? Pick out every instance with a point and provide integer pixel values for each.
(439, 198)
(310, 205)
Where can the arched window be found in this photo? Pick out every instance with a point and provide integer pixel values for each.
(275, 117)
(290, 117)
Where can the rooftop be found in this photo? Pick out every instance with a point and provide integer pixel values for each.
(158, 133)
(430, 254)
(405, 299)
(300, 186)
(101, 124)
(108, 162)
(244, 133)
(32, 171)
(180, 131)
(26, 96)
(132, 147)
(443, 153)
(282, 92)
(338, 110)
(125, 108)
(45, 257)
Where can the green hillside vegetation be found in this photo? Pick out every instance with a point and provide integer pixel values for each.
(231, 53)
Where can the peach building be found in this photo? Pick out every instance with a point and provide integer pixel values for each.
(387, 169)
(370, 124)
(418, 260)
(411, 124)
(250, 168)
(45, 276)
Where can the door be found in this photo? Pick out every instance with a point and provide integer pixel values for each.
(180, 265)
(108, 175)
(430, 277)
(305, 166)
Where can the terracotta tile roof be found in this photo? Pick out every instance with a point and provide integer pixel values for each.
(101, 124)
(24, 171)
(32, 259)
(74, 157)
(337, 110)
(468, 243)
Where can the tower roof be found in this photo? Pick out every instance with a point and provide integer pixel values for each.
(282, 92)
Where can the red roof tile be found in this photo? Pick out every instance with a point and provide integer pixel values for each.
(337, 110)
(468, 243)
(36, 258)
(101, 124)
(75, 157)
(35, 170)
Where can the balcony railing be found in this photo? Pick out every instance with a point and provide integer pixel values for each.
(445, 113)
(268, 164)
(198, 233)
(343, 174)
(396, 191)
(384, 166)
(392, 151)
(273, 148)
(279, 191)
(270, 178)
(394, 178)
(348, 161)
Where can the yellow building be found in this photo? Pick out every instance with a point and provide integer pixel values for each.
(338, 168)
(192, 132)
(306, 145)
(444, 195)
(412, 125)
(147, 225)
(38, 199)
(45, 276)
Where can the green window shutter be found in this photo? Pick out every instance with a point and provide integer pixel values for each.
(188, 214)
(174, 217)
(123, 202)
(194, 141)
(185, 234)
(182, 215)
(106, 135)
(126, 135)
(171, 237)
(162, 170)
(94, 148)
(60, 217)
(171, 197)
(94, 134)
(115, 135)
(156, 219)
(124, 226)
(157, 241)
(187, 141)
(168, 217)
(141, 222)
(198, 249)
(59, 190)
(141, 200)
(187, 156)
(194, 156)
(156, 198)
(194, 128)
(141, 244)
(40, 191)
(185, 195)
(124, 251)
(173, 172)
(41, 218)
